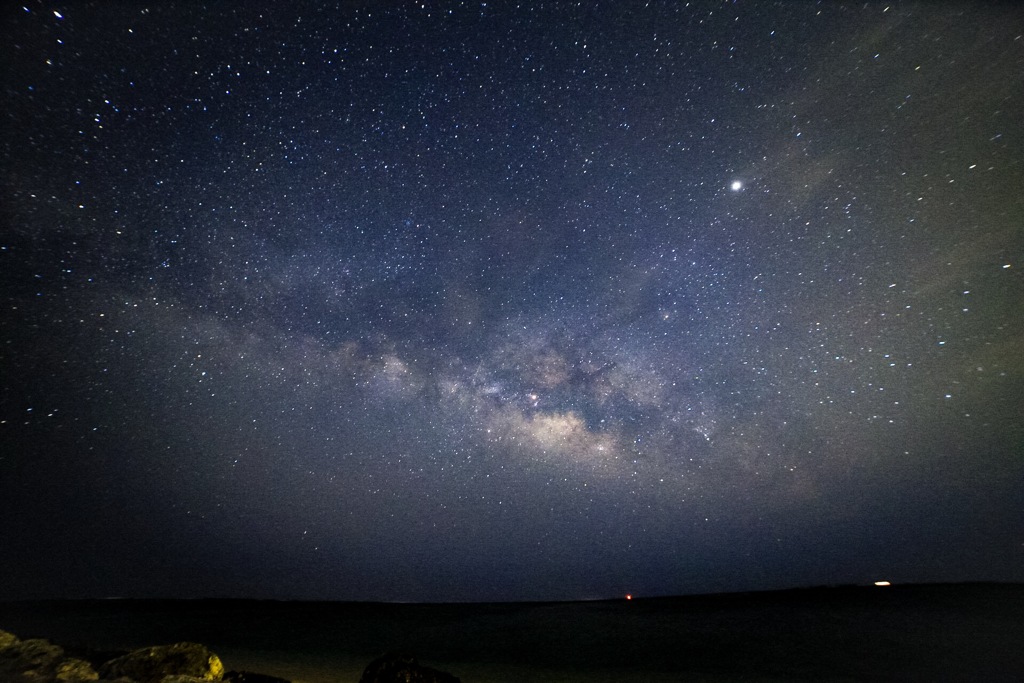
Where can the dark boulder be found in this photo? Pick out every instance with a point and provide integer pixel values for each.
(400, 668)
(183, 661)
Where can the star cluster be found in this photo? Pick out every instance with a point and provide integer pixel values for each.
(474, 301)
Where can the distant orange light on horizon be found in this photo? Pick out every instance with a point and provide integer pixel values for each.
(629, 596)
(882, 583)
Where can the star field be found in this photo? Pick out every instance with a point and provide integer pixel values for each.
(485, 301)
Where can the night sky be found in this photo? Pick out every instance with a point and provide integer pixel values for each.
(496, 301)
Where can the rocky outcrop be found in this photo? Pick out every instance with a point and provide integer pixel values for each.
(75, 671)
(6, 640)
(400, 668)
(40, 661)
(181, 663)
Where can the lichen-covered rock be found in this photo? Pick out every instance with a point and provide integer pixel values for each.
(32, 660)
(154, 664)
(75, 671)
(40, 661)
(7, 639)
(400, 668)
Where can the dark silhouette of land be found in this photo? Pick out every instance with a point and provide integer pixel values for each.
(926, 632)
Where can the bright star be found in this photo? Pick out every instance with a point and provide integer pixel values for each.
(736, 186)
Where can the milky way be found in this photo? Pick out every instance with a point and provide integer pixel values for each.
(469, 301)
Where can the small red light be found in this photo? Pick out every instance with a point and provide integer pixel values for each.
(629, 596)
